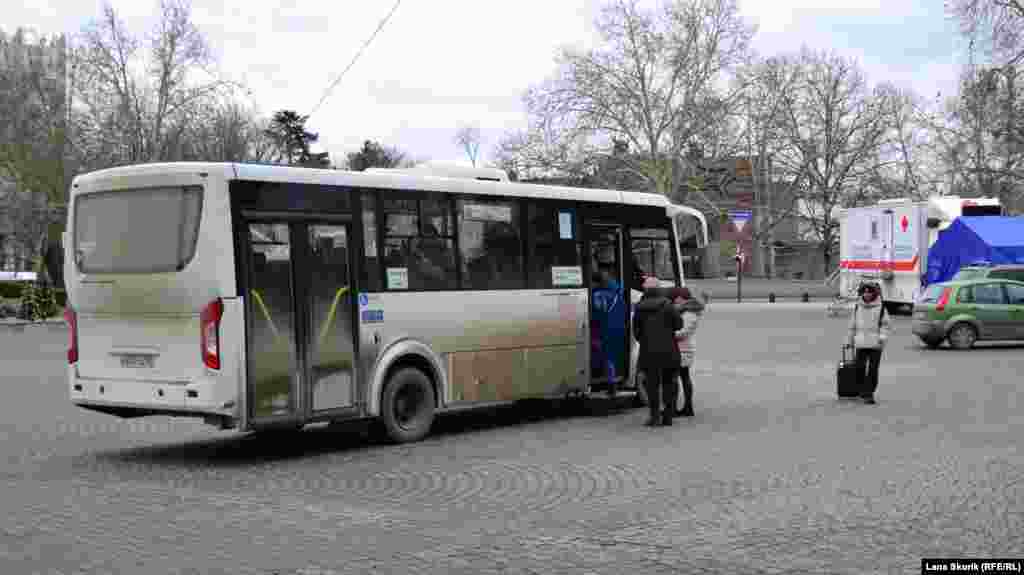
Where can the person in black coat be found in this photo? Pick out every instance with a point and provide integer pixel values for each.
(654, 327)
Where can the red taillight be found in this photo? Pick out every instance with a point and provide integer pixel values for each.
(209, 333)
(72, 318)
(943, 299)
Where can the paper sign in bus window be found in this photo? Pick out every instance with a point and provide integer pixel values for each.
(565, 225)
(398, 278)
(487, 212)
(566, 276)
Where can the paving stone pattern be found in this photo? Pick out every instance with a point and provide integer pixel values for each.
(773, 475)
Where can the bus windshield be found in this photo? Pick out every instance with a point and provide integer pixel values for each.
(148, 230)
(652, 254)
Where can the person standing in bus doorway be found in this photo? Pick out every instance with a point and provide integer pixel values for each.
(611, 308)
(868, 334)
(691, 311)
(654, 327)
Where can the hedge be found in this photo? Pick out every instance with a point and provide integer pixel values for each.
(12, 290)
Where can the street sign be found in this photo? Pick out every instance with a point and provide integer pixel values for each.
(740, 218)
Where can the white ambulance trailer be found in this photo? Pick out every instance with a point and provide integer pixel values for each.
(888, 242)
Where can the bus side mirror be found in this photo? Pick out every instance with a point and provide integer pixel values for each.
(934, 222)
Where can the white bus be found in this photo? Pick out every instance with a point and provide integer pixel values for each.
(261, 296)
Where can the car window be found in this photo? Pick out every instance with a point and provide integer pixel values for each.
(988, 294)
(968, 274)
(1008, 274)
(1015, 294)
(965, 295)
(932, 294)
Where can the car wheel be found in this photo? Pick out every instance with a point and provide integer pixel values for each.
(963, 336)
(931, 343)
(407, 406)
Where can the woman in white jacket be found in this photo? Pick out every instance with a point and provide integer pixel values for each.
(691, 311)
(868, 333)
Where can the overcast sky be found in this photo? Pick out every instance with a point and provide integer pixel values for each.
(441, 62)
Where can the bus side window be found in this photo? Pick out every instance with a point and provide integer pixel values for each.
(371, 256)
(547, 249)
(490, 243)
(419, 238)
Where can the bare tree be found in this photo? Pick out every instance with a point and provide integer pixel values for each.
(976, 141)
(984, 128)
(468, 138)
(907, 165)
(134, 101)
(652, 84)
(32, 104)
(832, 127)
(229, 132)
(32, 138)
(995, 25)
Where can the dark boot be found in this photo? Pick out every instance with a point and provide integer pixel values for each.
(666, 417)
(687, 410)
(652, 421)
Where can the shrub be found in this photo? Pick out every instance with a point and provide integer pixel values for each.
(37, 302)
(11, 290)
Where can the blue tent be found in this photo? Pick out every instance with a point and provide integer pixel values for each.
(993, 239)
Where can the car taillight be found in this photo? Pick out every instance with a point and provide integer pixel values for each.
(209, 333)
(72, 318)
(943, 299)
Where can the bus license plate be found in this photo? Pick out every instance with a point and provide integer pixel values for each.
(137, 361)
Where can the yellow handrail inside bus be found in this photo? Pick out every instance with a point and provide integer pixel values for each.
(330, 316)
(266, 313)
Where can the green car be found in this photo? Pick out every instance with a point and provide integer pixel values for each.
(968, 311)
(1001, 271)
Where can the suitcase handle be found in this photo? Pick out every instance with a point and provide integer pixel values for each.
(846, 346)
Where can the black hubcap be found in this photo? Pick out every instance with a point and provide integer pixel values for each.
(409, 404)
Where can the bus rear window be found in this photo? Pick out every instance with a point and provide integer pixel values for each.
(149, 230)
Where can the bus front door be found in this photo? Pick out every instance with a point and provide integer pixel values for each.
(608, 306)
(300, 321)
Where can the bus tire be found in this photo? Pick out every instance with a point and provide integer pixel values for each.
(407, 405)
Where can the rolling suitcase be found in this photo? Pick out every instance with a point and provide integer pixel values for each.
(846, 376)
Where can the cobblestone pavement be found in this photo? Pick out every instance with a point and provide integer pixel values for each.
(773, 475)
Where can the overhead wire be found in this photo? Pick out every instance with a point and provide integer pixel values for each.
(355, 58)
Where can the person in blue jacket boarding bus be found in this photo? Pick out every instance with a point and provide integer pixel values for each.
(610, 308)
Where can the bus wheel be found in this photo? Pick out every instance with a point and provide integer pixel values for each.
(407, 407)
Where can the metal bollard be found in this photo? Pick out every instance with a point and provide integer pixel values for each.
(771, 297)
(805, 298)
